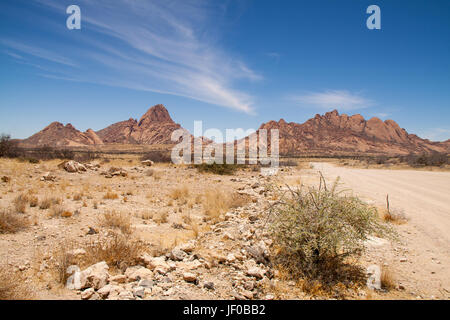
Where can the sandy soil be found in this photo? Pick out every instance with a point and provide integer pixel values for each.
(423, 260)
(419, 263)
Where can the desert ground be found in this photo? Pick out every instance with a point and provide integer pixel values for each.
(422, 198)
(170, 232)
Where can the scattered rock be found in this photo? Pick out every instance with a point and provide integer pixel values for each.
(146, 283)
(121, 278)
(177, 254)
(87, 294)
(256, 272)
(92, 231)
(147, 163)
(72, 166)
(209, 285)
(138, 273)
(189, 277)
(48, 177)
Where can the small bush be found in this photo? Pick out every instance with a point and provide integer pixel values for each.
(423, 160)
(11, 222)
(8, 148)
(220, 169)
(117, 220)
(316, 233)
(118, 251)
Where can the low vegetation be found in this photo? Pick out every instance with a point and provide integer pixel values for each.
(215, 168)
(12, 222)
(157, 156)
(319, 232)
(12, 286)
(117, 220)
(118, 251)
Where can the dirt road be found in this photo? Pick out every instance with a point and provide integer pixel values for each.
(424, 197)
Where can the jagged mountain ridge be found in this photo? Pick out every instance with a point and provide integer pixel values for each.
(331, 133)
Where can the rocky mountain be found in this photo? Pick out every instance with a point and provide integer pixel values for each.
(58, 135)
(333, 133)
(154, 127)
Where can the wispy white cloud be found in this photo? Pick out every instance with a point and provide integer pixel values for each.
(159, 46)
(274, 55)
(36, 52)
(382, 115)
(435, 134)
(332, 99)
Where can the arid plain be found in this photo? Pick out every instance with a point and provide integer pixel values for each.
(172, 232)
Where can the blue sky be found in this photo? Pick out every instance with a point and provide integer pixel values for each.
(232, 64)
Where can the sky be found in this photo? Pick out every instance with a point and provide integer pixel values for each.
(230, 63)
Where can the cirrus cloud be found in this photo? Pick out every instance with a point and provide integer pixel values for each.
(332, 99)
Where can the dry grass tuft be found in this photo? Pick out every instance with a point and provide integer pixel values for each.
(11, 222)
(147, 215)
(161, 217)
(12, 286)
(117, 220)
(34, 201)
(48, 202)
(387, 279)
(63, 259)
(118, 251)
(215, 203)
(180, 193)
(21, 202)
(391, 217)
(111, 196)
(78, 197)
(58, 211)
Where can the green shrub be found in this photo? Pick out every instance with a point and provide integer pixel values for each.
(316, 233)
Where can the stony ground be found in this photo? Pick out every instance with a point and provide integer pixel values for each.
(205, 236)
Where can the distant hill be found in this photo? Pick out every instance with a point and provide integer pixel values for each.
(331, 133)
